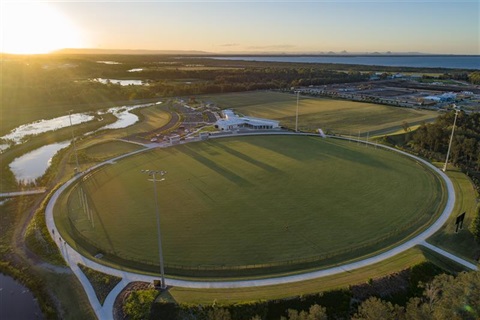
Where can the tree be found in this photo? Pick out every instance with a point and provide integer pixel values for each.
(448, 297)
(315, 312)
(138, 303)
(475, 226)
(405, 126)
(374, 308)
(219, 314)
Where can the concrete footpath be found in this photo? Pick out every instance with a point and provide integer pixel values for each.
(22, 193)
(72, 257)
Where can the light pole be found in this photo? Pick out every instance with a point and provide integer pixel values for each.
(451, 138)
(296, 115)
(153, 174)
(73, 141)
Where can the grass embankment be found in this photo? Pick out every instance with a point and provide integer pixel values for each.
(105, 150)
(343, 280)
(101, 282)
(338, 116)
(38, 239)
(59, 295)
(215, 190)
(461, 243)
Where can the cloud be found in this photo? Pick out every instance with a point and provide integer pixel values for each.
(229, 45)
(275, 46)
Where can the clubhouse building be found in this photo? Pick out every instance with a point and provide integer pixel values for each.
(231, 122)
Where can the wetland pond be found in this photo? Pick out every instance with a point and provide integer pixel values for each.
(16, 301)
(33, 164)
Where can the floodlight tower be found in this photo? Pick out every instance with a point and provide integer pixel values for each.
(153, 174)
(451, 137)
(296, 115)
(73, 141)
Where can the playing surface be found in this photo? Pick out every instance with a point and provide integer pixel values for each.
(258, 200)
(336, 115)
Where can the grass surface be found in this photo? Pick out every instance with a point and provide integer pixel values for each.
(101, 282)
(73, 302)
(260, 201)
(106, 150)
(338, 116)
(400, 262)
(461, 243)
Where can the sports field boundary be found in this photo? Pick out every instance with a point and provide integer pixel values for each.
(72, 257)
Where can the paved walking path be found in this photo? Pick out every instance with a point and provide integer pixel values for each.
(106, 311)
(22, 193)
(450, 256)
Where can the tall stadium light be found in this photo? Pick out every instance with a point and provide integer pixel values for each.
(451, 138)
(153, 174)
(296, 114)
(73, 141)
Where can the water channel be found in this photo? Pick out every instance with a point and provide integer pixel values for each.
(30, 166)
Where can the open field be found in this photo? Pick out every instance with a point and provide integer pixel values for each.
(223, 209)
(105, 150)
(337, 116)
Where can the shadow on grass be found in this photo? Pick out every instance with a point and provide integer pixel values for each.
(228, 174)
(249, 159)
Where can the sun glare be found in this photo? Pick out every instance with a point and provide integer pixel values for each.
(32, 28)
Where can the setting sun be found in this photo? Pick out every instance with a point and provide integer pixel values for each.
(31, 28)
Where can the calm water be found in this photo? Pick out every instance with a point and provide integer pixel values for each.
(16, 302)
(124, 116)
(3, 147)
(41, 126)
(33, 165)
(454, 62)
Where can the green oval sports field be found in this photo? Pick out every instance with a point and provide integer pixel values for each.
(264, 203)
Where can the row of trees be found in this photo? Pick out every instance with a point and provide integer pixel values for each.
(431, 141)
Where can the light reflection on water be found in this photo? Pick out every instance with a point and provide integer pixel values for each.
(41, 126)
(33, 165)
(120, 82)
(3, 147)
(125, 118)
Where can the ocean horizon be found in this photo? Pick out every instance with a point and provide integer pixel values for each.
(470, 62)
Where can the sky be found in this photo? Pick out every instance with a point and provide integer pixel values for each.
(448, 27)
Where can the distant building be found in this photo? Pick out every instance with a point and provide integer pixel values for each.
(175, 139)
(447, 96)
(231, 121)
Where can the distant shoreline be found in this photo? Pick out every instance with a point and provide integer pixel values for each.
(459, 62)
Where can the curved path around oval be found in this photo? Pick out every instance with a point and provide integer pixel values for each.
(72, 257)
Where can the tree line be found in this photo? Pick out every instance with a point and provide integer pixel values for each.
(432, 140)
(444, 297)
